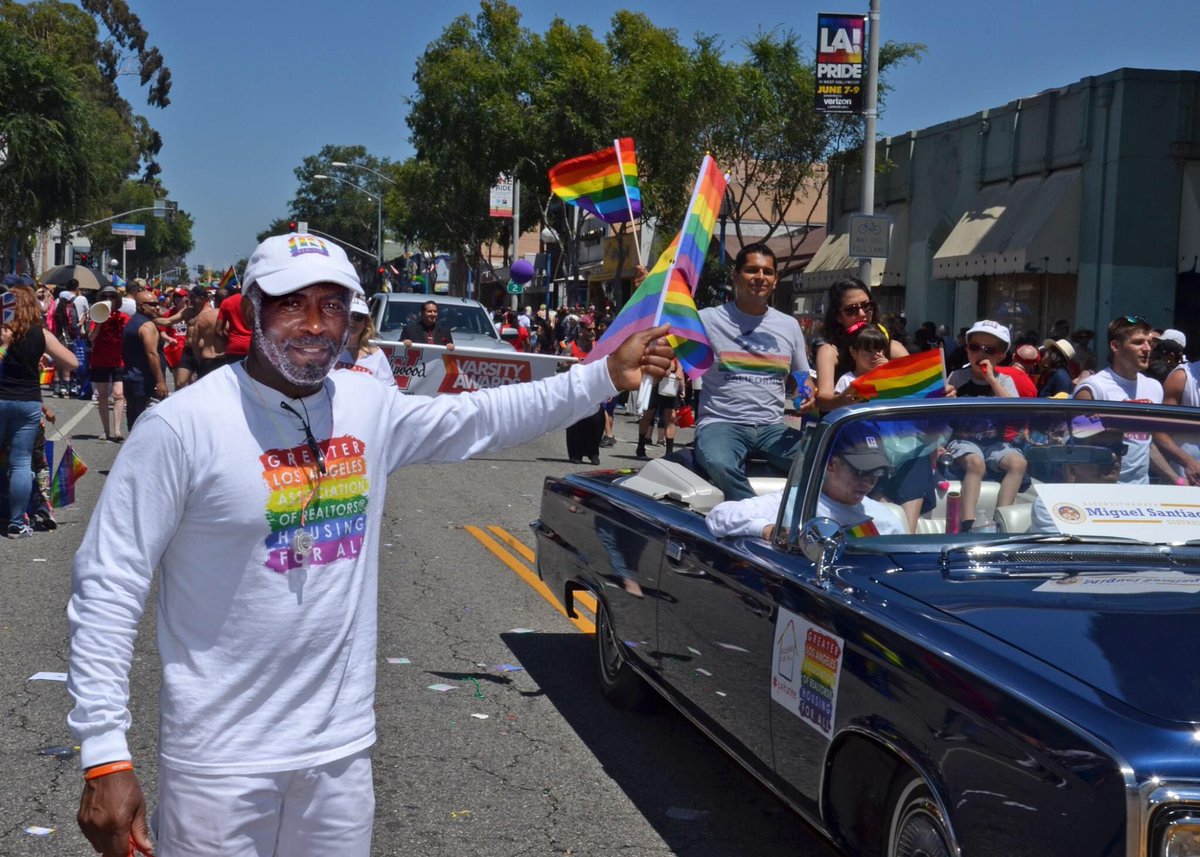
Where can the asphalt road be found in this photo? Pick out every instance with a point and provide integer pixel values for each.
(529, 761)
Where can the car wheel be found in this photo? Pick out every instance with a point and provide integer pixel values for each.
(917, 827)
(623, 687)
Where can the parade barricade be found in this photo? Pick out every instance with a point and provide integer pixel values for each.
(431, 370)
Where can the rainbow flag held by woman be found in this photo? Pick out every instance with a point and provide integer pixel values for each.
(665, 296)
(921, 375)
(604, 183)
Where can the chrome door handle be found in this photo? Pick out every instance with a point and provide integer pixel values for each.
(674, 550)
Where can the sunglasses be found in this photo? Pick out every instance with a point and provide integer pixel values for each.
(875, 473)
(357, 316)
(1134, 319)
(865, 307)
(975, 348)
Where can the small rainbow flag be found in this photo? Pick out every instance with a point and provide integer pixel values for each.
(47, 377)
(604, 183)
(227, 278)
(62, 486)
(861, 531)
(666, 293)
(921, 375)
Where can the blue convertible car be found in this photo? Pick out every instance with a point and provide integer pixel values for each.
(908, 685)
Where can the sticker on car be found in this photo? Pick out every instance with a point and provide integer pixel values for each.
(806, 670)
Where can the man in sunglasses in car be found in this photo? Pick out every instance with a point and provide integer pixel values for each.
(1123, 381)
(985, 443)
(857, 464)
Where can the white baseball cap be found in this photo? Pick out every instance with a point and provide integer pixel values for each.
(1176, 336)
(358, 305)
(287, 263)
(994, 328)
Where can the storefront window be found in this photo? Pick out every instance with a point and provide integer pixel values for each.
(1029, 302)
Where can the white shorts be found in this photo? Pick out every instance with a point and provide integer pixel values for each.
(314, 811)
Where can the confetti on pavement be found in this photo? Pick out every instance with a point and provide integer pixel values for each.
(399, 661)
(39, 831)
(480, 716)
(48, 677)
(442, 688)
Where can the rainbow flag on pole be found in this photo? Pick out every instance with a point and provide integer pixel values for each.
(604, 183)
(62, 486)
(921, 375)
(229, 277)
(666, 294)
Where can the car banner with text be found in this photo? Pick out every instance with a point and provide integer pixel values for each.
(840, 76)
(430, 370)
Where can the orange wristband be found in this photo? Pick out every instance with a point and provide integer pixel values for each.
(110, 768)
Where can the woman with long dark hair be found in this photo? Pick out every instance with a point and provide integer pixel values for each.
(23, 341)
(849, 303)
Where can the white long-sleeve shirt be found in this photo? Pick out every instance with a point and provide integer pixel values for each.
(749, 517)
(268, 662)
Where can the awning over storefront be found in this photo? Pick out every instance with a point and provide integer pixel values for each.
(1189, 220)
(833, 262)
(1029, 225)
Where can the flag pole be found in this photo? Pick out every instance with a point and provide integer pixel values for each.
(628, 202)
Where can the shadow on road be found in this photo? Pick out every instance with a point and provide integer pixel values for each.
(698, 799)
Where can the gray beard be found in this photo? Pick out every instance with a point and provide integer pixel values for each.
(276, 354)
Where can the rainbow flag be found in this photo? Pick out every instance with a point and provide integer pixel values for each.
(47, 377)
(666, 293)
(227, 278)
(604, 183)
(921, 375)
(861, 531)
(62, 486)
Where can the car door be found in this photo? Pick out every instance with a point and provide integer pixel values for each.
(716, 633)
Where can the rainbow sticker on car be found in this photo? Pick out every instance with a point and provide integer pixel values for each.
(806, 671)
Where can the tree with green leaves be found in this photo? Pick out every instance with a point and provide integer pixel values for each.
(72, 139)
(333, 206)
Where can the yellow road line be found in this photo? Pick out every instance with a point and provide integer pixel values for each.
(527, 574)
(511, 540)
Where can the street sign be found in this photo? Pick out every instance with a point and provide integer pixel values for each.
(500, 200)
(137, 230)
(515, 288)
(870, 236)
(130, 243)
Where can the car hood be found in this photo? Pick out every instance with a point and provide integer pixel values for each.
(1132, 645)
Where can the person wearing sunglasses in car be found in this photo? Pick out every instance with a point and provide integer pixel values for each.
(855, 467)
(985, 443)
(849, 305)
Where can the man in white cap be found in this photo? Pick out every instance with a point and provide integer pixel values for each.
(1182, 387)
(264, 518)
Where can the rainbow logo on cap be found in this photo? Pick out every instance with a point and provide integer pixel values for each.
(298, 245)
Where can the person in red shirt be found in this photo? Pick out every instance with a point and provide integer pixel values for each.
(106, 368)
(1020, 369)
(232, 330)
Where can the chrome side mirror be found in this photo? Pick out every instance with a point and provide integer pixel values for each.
(822, 540)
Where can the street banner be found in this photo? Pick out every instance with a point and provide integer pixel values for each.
(431, 370)
(840, 76)
(500, 200)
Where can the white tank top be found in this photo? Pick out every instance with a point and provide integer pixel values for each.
(1191, 385)
(1111, 387)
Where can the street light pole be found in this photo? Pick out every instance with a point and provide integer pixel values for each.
(382, 177)
(378, 201)
(870, 114)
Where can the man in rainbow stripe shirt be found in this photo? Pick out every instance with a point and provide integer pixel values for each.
(741, 404)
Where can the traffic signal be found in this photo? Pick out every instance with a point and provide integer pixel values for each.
(84, 259)
(292, 226)
(172, 211)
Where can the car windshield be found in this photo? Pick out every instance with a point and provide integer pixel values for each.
(460, 318)
(1094, 471)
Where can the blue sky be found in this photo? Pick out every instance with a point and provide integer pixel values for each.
(257, 86)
